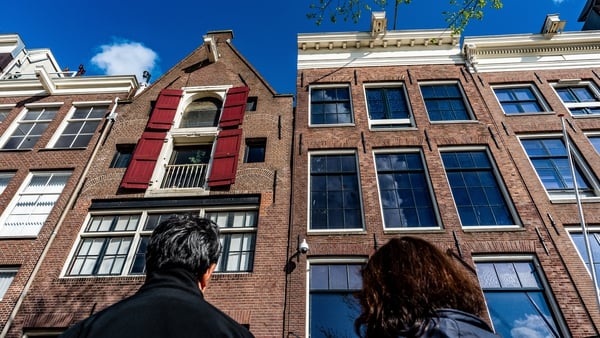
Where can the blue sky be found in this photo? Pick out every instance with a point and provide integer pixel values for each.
(129, 36)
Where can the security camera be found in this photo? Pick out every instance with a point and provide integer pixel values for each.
(303, 248)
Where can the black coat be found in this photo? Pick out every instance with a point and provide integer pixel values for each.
(453, 323)
(169, 304)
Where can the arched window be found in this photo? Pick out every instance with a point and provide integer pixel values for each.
(202, 112)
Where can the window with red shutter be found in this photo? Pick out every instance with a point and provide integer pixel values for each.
(164, 109)
(140, 169)
(225, 159)
(234, 107)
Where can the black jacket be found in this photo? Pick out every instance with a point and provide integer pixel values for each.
(169, 304)
(453, 323)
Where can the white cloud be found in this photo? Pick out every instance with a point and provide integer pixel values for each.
(558, 2)
(124, 58)
(533, 326)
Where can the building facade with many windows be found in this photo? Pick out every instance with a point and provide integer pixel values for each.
(408, 133)
(210, 138)
(52, 123)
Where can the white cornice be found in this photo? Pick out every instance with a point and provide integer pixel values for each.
(532, 51)
(360, 49)
(69, 86)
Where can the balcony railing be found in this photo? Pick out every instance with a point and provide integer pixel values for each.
(184, 176)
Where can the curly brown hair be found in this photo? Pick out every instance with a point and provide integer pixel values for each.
(405, 282)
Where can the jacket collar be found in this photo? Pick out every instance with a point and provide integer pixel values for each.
(175, 278)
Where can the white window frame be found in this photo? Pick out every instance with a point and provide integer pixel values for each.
(8, 175)
(578, 83)
(13, 270)
(398, 123)
(65, 122)
(501, 185)
(7, 109)
(409, 150)
(591, 229)
(309, 192)
(470, 113)
(18, 121)
(235, 230)
(595, 134)
(325, 86)
(538, 96)
(332, 260)
(139, 232)
(576, 156)
(183, 137)
(552, 303)
(21, 192)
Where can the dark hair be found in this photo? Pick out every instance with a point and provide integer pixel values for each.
(405, 282)
(186, 242)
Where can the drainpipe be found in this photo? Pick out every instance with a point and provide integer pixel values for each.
(110, 120)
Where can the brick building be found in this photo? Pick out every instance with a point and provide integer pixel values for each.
(209, 137)
(52, 122)
(406, 133)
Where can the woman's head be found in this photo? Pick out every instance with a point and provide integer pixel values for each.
(405, 282)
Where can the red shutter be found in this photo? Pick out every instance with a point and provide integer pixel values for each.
(225, 157)
(234, 107)
(164, 109)
(144, 159)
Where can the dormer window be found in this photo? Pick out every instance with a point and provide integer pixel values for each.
(202, 113)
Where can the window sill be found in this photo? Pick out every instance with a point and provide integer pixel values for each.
(176, 192)
(63, 149)
(331, 125)
(455, 122)
(336, 232)
(493, 228)
(531, 113)
(413, 230)
(567, 200)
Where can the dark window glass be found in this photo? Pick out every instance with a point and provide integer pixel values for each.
(518, 100)
(251, 103)
(387, 104)
(255, 150)
(332, 305)
(330, 106)
(203, 112)
(475, 189)
(30, 128)
(334, 193)
(516, 300)
(404, 191)
(551, 162)
(122, 156)
(579, 99)
(444, 102)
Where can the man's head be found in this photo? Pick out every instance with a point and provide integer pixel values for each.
(186, 242)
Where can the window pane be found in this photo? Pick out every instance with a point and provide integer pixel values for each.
(594, 239)
(475, 189)
(595, 140)
(330, 106)
(519, 307)
(518, 100)
(6, 278)
(444, 102)
(404, 191)
(335, 196)
(332, 304)
(33, 204)
(550, 160)
(4, 180)
(238, 237)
